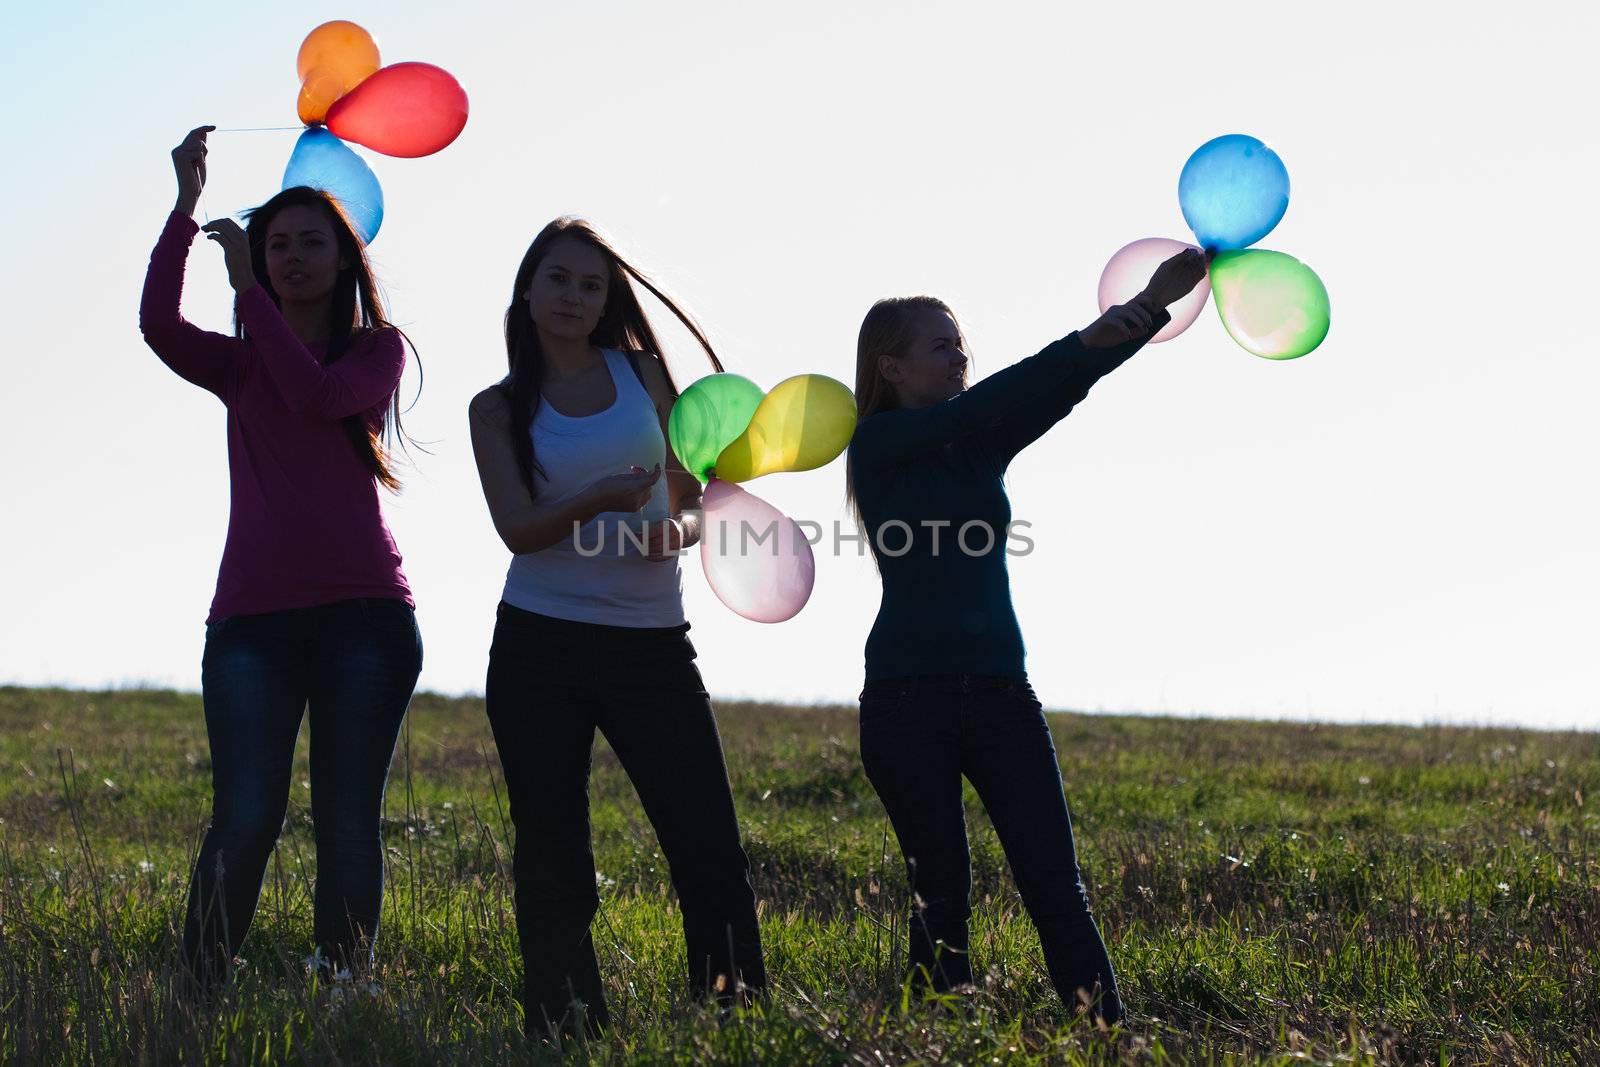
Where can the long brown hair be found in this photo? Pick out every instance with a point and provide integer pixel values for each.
(623, 326)
(357, 305)
(886, 331)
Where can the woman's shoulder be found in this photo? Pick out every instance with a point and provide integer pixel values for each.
(872, 441)
(876, 422)
(377, 339)
(491, 402)
(651, 370)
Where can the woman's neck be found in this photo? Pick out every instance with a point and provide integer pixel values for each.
(565, 357)
(309, 321)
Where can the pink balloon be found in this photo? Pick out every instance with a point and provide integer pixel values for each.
(756, 558)
(1129, 272)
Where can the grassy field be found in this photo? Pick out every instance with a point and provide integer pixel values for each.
(1270, 893)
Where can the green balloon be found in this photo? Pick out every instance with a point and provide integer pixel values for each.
(708, 416)
(1271, 303)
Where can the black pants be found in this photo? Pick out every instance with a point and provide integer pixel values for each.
(551, 682)
(355, 663)
(919, 735)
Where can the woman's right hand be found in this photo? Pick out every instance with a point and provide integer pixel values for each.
(189, 160)
(623, 492)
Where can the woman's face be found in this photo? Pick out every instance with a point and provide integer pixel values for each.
(568, 292)
(302, 254)
(934, 366)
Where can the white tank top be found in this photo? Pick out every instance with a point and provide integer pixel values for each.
(599, 576)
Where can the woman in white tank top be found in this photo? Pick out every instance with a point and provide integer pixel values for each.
(590, 632)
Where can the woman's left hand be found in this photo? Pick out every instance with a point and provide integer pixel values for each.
(235, 252)
(663, 540)
(1174, 279)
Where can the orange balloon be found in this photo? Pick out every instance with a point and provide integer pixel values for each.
(334, 58)
(317, 94)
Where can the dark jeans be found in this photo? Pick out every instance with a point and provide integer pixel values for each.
(355, 663)
(551, 683)
(919, 735)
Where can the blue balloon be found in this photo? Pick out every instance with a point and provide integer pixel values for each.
(1233, 191)
(322, 161)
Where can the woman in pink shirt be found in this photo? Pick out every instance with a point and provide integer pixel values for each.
(311, 607)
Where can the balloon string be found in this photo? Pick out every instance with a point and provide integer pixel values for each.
(242, 129)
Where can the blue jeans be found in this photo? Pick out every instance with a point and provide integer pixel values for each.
(919, 735)
(355, 663)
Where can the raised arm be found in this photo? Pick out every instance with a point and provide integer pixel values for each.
(524, 523)
(209, 360)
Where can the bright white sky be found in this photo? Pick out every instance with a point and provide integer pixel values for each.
(1401, 525)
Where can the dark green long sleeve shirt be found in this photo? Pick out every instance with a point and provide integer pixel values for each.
(922, 475)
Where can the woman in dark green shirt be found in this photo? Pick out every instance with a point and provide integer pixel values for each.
(946, 694)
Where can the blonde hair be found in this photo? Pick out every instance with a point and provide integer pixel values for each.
(886, 331)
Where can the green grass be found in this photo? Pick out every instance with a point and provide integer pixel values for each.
(1270, 892)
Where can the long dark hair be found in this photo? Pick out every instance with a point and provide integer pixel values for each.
(623, 326)
(357, 305)
(886, 331)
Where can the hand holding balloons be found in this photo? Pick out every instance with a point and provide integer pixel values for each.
(663, 540)
(1132, 272)
(623, 492)
(1176, 277)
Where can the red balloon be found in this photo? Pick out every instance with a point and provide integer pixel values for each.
(405, 109)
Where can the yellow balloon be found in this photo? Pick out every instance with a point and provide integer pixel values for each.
(334, 58)
(802, 424)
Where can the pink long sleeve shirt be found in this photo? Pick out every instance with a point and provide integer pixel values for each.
(304, 527)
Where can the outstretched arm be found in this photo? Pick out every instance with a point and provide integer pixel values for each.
(1029, 423)
(901, 434)
(1110, 342)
